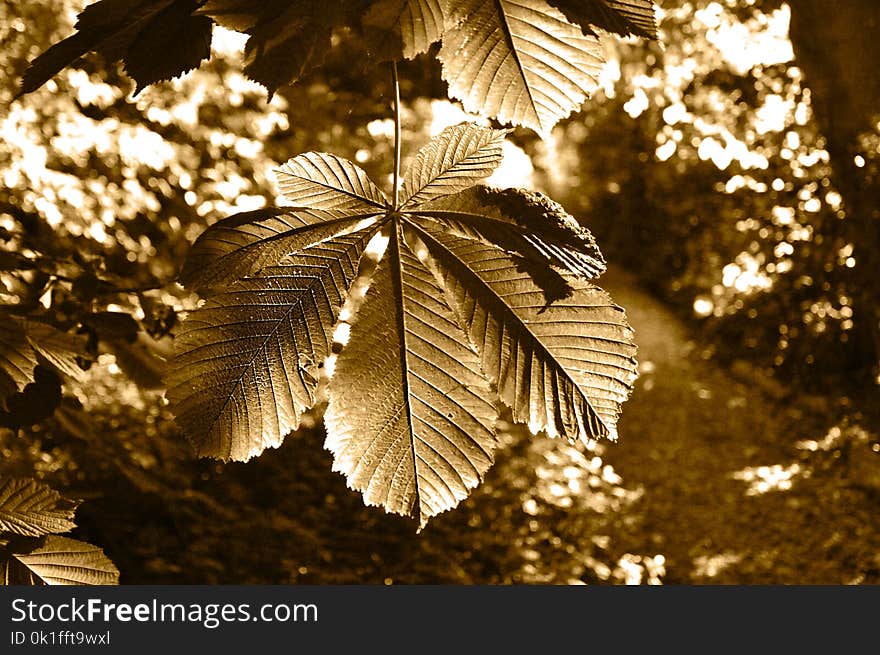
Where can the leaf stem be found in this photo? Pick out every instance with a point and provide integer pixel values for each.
(395, 82)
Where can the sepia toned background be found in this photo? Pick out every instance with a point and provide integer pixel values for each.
(729, 174)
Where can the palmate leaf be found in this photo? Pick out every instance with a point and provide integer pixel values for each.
(520, 61)
(55, 560)
(482, 296)
(31, 509)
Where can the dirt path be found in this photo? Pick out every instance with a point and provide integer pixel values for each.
(690, 426)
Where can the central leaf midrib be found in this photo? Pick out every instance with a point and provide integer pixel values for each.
(396, 263)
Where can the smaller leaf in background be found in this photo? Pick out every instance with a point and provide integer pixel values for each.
(30, 516)
(172, 44)
(402, 28)
(159, 318)
(318, 180)
(138, 354)
(280, 51)
(240, 15)
(526, 63)
(287, 39)
(53, 60)
(140, 359)
(54, 560)
(112, 326)
(26, 343)
(32, 509)
(60, 349)
(457, 158)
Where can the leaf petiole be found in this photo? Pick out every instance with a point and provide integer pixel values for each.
(396, 84)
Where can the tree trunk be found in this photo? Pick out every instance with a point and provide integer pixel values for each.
(836, 44)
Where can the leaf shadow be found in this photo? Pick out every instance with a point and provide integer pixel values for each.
(552, 284)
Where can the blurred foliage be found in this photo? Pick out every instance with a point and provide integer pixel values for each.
(702, 169)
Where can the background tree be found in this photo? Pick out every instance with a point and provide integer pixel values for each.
(846, 98)
(758, 215)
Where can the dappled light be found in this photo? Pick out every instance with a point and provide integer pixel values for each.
(762, 479)
(703, 164)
